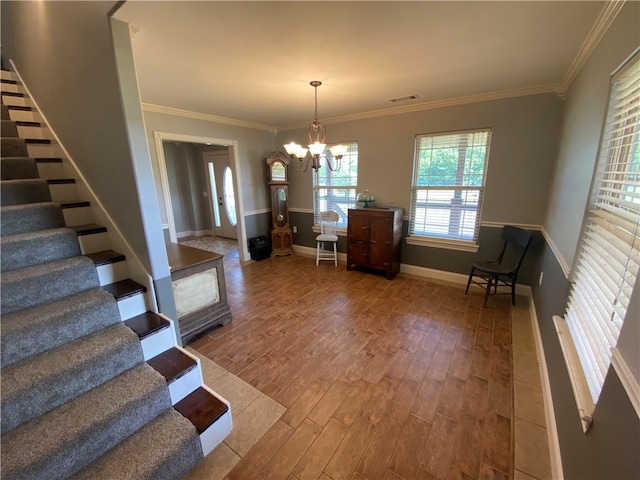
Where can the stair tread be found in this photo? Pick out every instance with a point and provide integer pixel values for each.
(13, 94)
(67, 436)
(201, 408)
(41, 246)
(37, 329)
(38, 141)
(48, 159)
(106, 257)
(172, 364)
(124, 288)
(146, 324)
(157, 450)
(26, 123)
(60, 181)
(22, 108)
(38, 384)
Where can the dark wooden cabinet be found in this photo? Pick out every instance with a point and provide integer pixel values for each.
(373, 239)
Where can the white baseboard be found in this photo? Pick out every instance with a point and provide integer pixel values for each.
(550, 417)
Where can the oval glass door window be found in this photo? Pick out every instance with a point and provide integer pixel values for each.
(229, 197)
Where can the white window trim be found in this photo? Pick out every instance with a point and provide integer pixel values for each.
(446, 243)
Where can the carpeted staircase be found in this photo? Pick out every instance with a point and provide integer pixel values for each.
(78, 398)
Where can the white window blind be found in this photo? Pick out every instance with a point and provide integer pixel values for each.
(336, 190)
(608, 254)
(448, 184)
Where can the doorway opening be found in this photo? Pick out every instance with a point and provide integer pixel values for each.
(229, 187)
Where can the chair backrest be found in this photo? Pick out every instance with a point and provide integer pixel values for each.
(328, 222)
(519, 238)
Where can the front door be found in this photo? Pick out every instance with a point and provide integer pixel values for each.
(221, 193)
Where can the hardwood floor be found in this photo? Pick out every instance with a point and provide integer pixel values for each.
(400, 379)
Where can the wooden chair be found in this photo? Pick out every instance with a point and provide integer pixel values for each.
(328, 234)
(495, 273)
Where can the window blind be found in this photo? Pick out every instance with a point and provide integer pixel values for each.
(336, 191)
(448, 184)
(608, 255)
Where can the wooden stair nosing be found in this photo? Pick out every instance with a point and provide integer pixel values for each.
(75, 204)
(37, 141)
(147, 324)
(9, 82)
(106, 257)
(201, 408)
(13, 94)
(22, 108)
(48, 159)
(172, 364)
(25, 123)
(124, 289)
(61, 181)
(88, 229)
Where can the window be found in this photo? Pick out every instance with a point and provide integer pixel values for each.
(448, 183)
(608, 255)
(336, 190)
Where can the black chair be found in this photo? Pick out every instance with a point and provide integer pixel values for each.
(495, 273)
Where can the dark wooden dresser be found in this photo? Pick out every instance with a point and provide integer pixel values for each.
(197, 279)
(373, 239)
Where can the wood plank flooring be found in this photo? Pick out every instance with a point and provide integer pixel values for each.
(382, 379)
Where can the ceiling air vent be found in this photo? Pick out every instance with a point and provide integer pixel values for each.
(404, 99)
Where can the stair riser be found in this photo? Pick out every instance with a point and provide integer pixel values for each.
(219, 430)
(22, 116)
(187, 383)
(10, 100)
(7, 75)
(31, 132)
(64, 192)
(11, 87)
(132, 306)
(96, 242)
(77, 216)
(49, 171)
(113, 272)
(159, 342)
(36, 150)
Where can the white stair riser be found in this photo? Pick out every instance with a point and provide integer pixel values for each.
(183, 386)
(31, 132)
(96, 242)
(77, 216)
(158, 342)
(113, 272)
(10, 100)
(221, 428)
(50, 170)
(63, 192)
(21, 116)
(7, 75)
(132, 306)
(36, 150)
(10, 87)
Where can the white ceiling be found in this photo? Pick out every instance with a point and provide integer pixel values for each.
(253, 61)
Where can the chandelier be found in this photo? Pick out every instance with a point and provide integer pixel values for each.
(316, 132)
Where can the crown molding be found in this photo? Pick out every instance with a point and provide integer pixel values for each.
(450, 102)
(149, 107)
(603, 22)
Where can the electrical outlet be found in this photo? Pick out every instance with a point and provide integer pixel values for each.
(540, 279)
(295, 229)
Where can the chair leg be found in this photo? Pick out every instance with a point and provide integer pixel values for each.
(486, 292)
(317, 253)
(335, 254)
(469, 281)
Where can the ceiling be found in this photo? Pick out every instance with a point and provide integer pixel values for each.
(253, 61)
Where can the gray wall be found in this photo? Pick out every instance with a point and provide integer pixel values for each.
(187, 181)
(65, 53)
(610, 448)
(523, 147)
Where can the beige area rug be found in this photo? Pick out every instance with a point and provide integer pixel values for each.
(252, 412)
(225, 246)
